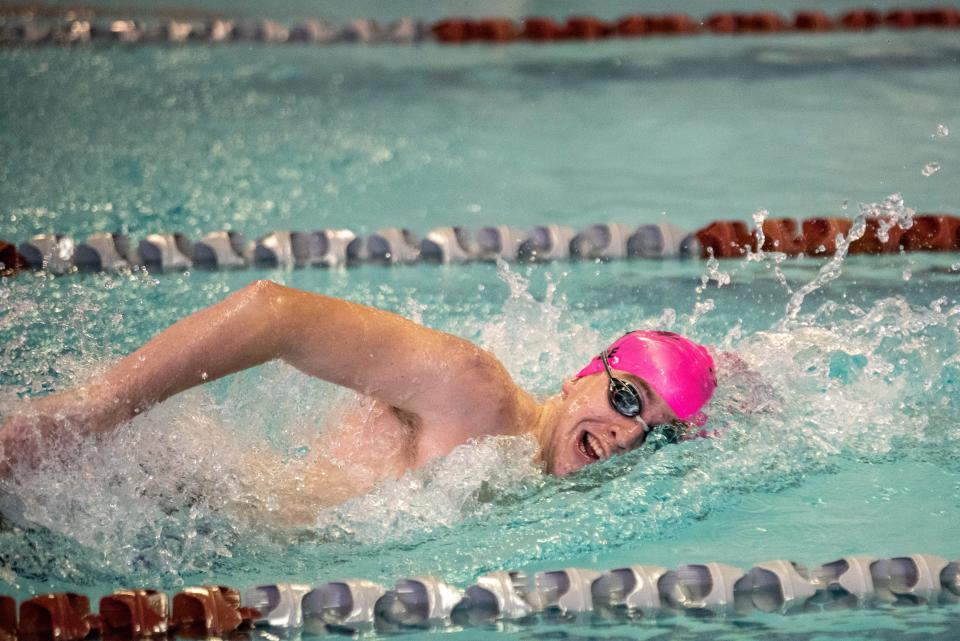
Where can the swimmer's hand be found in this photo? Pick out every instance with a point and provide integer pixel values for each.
(39, 426)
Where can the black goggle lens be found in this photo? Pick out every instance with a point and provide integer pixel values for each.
(624, 398)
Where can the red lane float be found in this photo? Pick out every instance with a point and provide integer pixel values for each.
(64, 616)
(133, 614)
(459, 30)
(765, 22)
(543, 29)
(761, 22)
(210, 610)
(942, 17)
(634, 26)
(870, 242)
(782, 235)
(586, 28)
(901, 19)
(673, 24)
(861, 20)
(728, 22)
(451, 30)
(932, 232)
(10, 259)
(8, 618)
(725, 239)
(493, 30)
(820, 235)
(812, 21)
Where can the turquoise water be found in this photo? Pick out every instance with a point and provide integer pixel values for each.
(845, 442)
(256, 138)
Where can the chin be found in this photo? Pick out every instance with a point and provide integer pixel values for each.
(563, 468)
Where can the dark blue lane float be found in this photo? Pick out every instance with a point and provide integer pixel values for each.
(429, 603)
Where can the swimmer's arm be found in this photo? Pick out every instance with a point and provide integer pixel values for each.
(372, 351)
(429, 373)
(234, 334)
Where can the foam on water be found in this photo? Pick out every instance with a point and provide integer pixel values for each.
(187, 490)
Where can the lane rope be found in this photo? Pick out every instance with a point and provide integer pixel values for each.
(427, 602)
(115, 252)
(36, 26)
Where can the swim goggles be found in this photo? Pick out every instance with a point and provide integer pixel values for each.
(623, 396)
(626, 400)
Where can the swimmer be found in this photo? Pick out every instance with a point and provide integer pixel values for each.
(423, 392)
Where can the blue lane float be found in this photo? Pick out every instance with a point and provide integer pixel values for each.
(29, 31)
(499, 243)
(322, 248)
(104, 252)
(447, 245)
(416, 602)
(223, 250)
(546, 243)
(392, 245)
(662, 240)
(314, 31)
(166, 252)
(49, 252)
(342, 606)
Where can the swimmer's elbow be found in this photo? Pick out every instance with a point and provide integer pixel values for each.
(263, 294)
(262, 289)
(263, 304)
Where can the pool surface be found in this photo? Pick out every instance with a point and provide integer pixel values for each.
(845, 442)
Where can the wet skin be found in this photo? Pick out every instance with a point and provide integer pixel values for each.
(583, 427)
(414, 405)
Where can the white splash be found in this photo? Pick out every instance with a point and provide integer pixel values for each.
(891, 211)
(524, 334)
(466, 483)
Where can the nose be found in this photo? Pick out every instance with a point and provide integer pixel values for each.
(626, 437)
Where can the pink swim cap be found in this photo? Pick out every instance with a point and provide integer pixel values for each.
(677, 369)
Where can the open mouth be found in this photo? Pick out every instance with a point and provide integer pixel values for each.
(590, 446)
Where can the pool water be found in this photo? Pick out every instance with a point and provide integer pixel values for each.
(844, 441)
(299, 137)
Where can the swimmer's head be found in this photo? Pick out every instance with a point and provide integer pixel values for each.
(679, 370)
(651, 380)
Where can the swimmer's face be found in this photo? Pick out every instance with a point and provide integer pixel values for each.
(589, 429)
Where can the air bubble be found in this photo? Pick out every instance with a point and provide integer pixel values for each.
(941, 132)
(930, 168)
